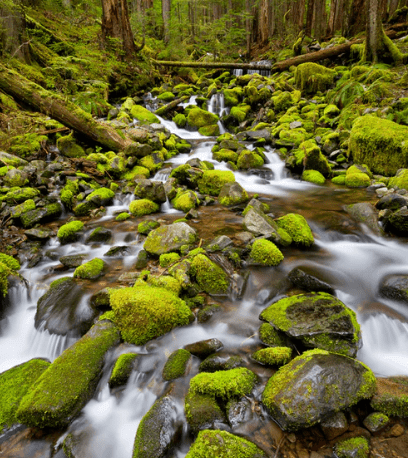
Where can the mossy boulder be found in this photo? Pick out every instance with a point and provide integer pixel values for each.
(225, 155)
(357, 180)
(15, 177)
(122, 369)
(201, 118)
(101, 196)
(91, 270)
(297, 227)
(176, 365)
(232, 194)
(152, 190)
(64, 388)
(314, 386)
(169, 238)
(203, 412)
(400, 180)
(313, 176)
(156, 430)
(265, 253)
(249, 160)
(143, 114)
(8, 267)
(221, 444)
(271, 336)
(380, 144)
(318, 320)
(273, 356)
(210, 131)
(210, 277)
(311, 78)
(391, 397)
(70, 232)
(147, 226)
(180, 120)
(145, 312)
(282, 101)
(212, 181)
(308, 156)
(185, 200)
(167, 259)
(141, 207)
(355, 447)
(14, 385)
(18, 196)
(69, 147)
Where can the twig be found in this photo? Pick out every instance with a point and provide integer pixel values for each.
(17, 50)
(279, 445)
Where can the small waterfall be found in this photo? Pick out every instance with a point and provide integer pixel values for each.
(162, 175)
(238, 72)
(216, 104)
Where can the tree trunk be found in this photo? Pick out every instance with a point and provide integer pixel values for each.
(355, 18)
(58, 108)
(115, 24)
(373, 43)
(166, 4)
(310, 14)
(12, 33)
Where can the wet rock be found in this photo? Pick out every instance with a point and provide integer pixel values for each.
(365, 213)
(318, 320)
(157, 430)
(300, 278)
(391, 397)
(204, 348)
(238, 411)
(376, 422)
(122, 369)
(73, 261)
(177, 365)
(77, 443)
(352, 448)
(63, 309)
(260, 224)
(334, 426)
(210, 277)
(91, 270)
(152, 190)
(232, 194)
(169, 238)
(41, 234)
(272, 337)
(100, 300)
(335, 221)
(314, 386)
(203, 412)
(137, 149)
(207, 313)
(395, 287)
(397, 222)
(69, 383)
(15, 177)
(392, 202)
(118, 251)
(99, 235)
(141, 260)
(219, 362)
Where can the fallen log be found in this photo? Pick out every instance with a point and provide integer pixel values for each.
(169, 63)
(170, 106)
(60, 109)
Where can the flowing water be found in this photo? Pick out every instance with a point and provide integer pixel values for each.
(352, 259)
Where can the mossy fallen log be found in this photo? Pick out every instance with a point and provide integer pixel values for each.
(170, 106)
(60, 109)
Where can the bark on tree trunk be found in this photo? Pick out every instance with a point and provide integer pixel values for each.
(60, 109)
(115, 24)
(166, 4)
(373, 44)
(310, 13)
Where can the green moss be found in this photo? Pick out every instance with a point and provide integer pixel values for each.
(102, 194)
(69, 148)
(249, 159)
(145, 312)
(297, 227)
(357, 180)
(225, 155)
(339, 180)
(9, 261)
(273, 356)
(147, 226)
(68, 384)
(153, 162)
(309, 157)
(282, 101)
(357, 447)
(209, 131)
(224, 384)
(379, 143)
(17, 196)
(212, 181)
(201, 118)
(168, 259)
(69, 232)
(91, 270)
(180, 120)
(265, 253)
(210, 277)
(142, 114)
(123, 216)
(14, 385)
(271, 336)
(142, 207)
(166, 96)
(400, 180)
(202, 410)
(167, 282)
(57, 282)
(185, 200)
(238, 114)
(313, 176)
(221, 444)
(122, 369)
(176, 365)
(136, 172)
(311, 77)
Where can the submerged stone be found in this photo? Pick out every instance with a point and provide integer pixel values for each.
(315, 385)
(318, 320)
(68, 384)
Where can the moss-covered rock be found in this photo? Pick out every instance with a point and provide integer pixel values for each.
(122, 369)
(212, 181)
(91, 270)
(379, 143)
(143, 313)
(357, 180)
(168, 259)
(225, 155)
(176, 365)
(201, 118)
(17, 196)
(221, 444)
(69, 232)
(314, 386)
(14, 385)
(232, 194)
(265, 253)
(282, 101)
(271, 336)
(311, 77)
(391, 397)
(297, 227)
(142, 114)
(210, 277)
(355, 447)
(68, 384)
(318, 320)
(142, 207)
(185, 200)
(273, 356)
(313, 176)
(169, 238)
(400, 180)
(203, 411)
(101, 196)
(308, 156)
(180, 120)
(68, 147)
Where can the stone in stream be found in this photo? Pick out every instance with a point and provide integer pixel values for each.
(169, 238)
(204, 348)
(317, 320)
(300, 278)
(41, 234)
(63, 310)
(258, 223)
(152, 190)
(122, 369)
(99, 235)
(203, 412)
(365, 213)
(315, 385)
(395, 287)
(232, 194)
(68, 384)
(334, 426)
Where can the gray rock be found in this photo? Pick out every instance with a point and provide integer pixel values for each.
(15, 177)
(314, 386)
(397, 223)
(335, 425)
(238, 412)
(219, 243)
(232, 194)
(392, 202)
(138, 149)
(41, 234)
(99, 234)
(204, 348)
(395, 287)
(152, 190)
(376, 422)
(220, 362)
(295, 124)
(10, 159)
(365, 213)
(302, 279)
(73, 261)
(169, 238)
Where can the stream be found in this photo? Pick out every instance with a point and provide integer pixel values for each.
(350, 258)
